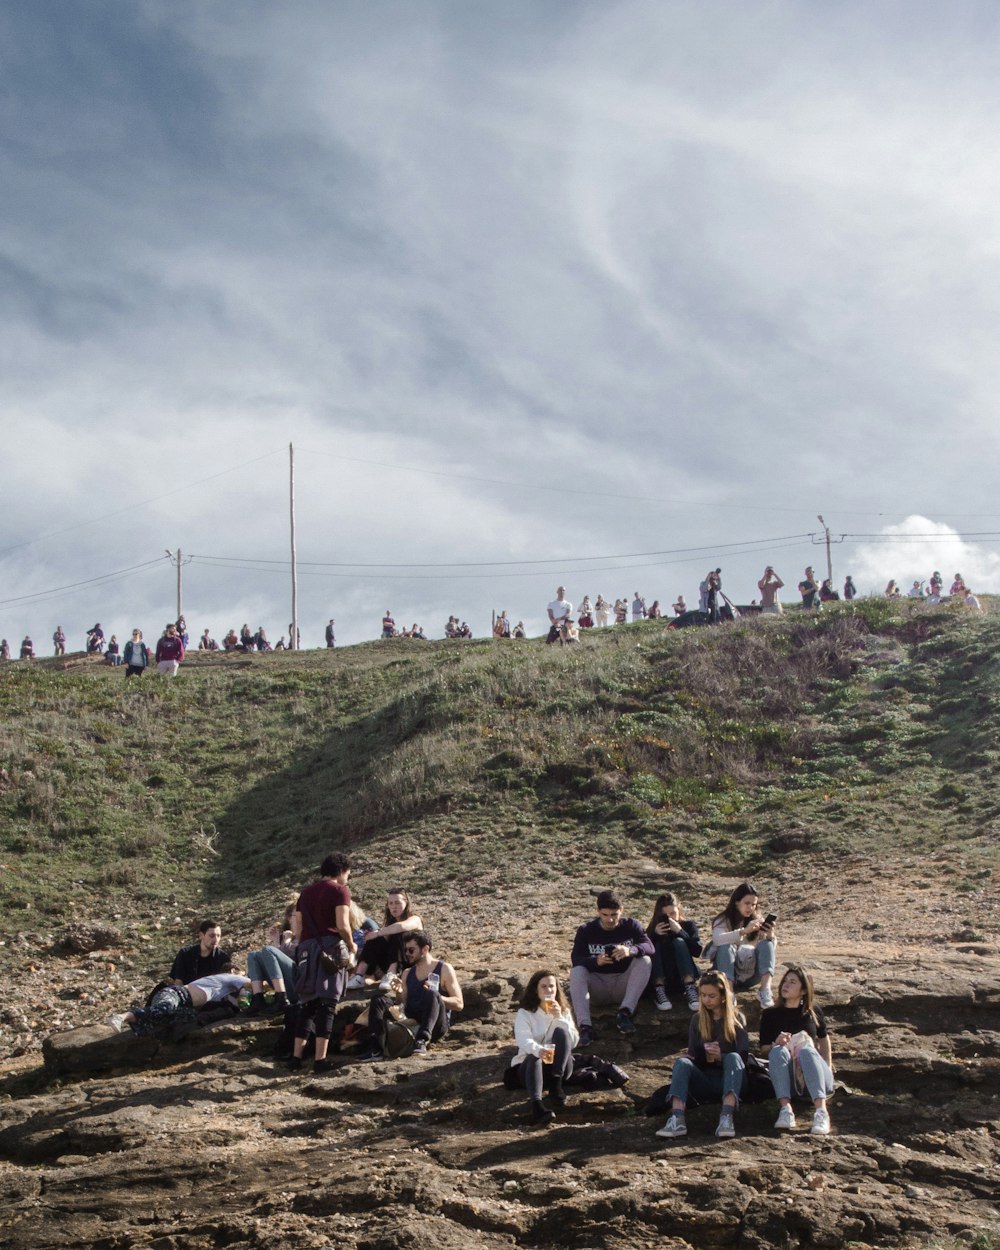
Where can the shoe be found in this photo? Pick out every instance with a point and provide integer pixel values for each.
(257, 1005)
(117, 1022)
(676, 1126)
(557, 1096)
(386, 983)
(821, 1122)
(765, 996)
(786, 1117)
(725, 1127)
(321, 1066)
(586, 1036)
(541, 1115)
(370, 1055)
(293, 1064)
(420, 1047)
(663, 1003)
(356, 982)
(624, 1022)
(691, 994)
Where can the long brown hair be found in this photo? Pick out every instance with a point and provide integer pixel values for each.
(732, 917)
(530, 1000)
(669, 899)
(406, 913)
(808, 994)
(706, 1021)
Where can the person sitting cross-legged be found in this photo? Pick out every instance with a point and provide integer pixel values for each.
(430, 991)
(612, 963)
(382, 952)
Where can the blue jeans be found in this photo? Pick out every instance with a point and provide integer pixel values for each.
(670, 950)
(708, 1084)
(815, 1069)
(270, 964)
(724, 961)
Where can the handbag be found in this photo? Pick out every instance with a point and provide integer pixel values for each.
(398, 1040)
(337, 958)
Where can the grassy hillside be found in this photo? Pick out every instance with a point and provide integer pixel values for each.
(484, 763)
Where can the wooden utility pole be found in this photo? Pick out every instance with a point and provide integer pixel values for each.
(176, 559)
(293, 641)
(829, 558)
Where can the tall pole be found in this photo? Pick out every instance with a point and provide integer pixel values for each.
(293, 641)
(829, 558)
(179, 612)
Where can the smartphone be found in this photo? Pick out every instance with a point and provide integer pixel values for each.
(769, 920)
(609, 950)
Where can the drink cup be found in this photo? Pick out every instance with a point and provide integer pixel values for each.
(433, 983)
(548, 1054)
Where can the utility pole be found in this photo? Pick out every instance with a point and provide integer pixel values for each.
(176, 559)
(829, 558)
(293, 641)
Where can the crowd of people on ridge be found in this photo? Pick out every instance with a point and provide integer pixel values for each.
(324, 951)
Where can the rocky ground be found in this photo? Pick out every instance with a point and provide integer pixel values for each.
(207, 1142)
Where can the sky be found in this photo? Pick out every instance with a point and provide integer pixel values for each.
(600, 293)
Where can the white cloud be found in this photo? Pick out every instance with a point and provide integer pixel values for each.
(918, 547)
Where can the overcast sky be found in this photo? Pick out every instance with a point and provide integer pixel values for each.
(628, 289)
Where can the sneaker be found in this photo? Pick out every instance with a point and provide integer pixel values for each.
(586, 1036)
(321, 1066)
(726, 1127)
(541, 1115)
(624, 1022)
(293, 1064)
(117, 1022)
(676, 1126)
(765, 996)
(821, 1122)
(663, 1003)
(420, 1047)
(356, 982)
(386, 983)
(691, 994)
(786, 1117)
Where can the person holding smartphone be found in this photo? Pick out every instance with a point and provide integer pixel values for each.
(744, 944)
(676, 945)
(612, 961)
(545, 1035)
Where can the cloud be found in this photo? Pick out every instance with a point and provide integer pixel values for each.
(915, 548)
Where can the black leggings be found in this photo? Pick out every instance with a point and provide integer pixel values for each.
(319, 1012)
(536, 1076)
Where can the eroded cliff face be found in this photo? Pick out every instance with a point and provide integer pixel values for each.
(206, 1141)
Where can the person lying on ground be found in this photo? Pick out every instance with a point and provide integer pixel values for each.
(612, 962)
(178, 1004)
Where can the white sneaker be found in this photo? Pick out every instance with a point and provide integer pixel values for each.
(765, 996)
(821, 1122)
(663, 1003)
(117, 1022)
(786, 1117)
(726, 1127)
(386, 982)
(676, 1126)
(357, 982)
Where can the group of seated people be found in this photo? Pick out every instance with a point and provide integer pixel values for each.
(455, 630)
(325, 949)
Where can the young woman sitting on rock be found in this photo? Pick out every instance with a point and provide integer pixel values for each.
(545, 1036)
(382, 953)
(275, 963)
(794, 1037)
(743, 946)
(176, 1004)
(714, 1068)
(676, 944)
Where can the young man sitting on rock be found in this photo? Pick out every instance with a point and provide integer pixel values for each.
(203, 958)
(612, 963)
(430, 993)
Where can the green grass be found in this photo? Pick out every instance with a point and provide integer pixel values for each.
(480, 763)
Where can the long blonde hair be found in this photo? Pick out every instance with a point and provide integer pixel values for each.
(706, 1021)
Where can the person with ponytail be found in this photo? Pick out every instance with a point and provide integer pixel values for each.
(714, 1068)
(743, 944)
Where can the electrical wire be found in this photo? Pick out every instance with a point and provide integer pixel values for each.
(73, 587)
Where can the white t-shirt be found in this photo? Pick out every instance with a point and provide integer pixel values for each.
(219, 986)
(560, 610)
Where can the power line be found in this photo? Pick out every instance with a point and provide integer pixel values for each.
(39, 595)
